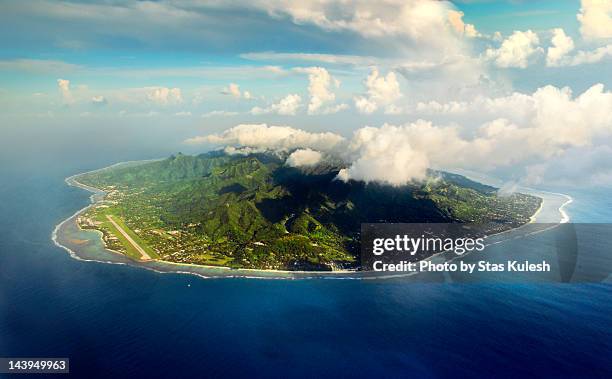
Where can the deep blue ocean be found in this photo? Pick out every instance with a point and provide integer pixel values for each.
(119, 321)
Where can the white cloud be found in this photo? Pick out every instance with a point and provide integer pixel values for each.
(64, 88)
(99, 100)
(320, 83)
(595, 19)
(433, 106)
(587, 57)
(384, 155)
(413, 66)
(555, 123)
(575, 168)
(219, 114)
(380, 91)
(409, 22)
(164, 95)
(419, 20)
(264, 137)
(561, 45)
(286, 106)
(233, 89)
(471, 32)
(455, 19)
(516, 50)
(140, 97)
(183, 114)
(304, 157)
(552, 122)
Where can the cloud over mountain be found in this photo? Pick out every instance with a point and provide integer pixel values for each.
(264, 137)
(551, 122)
(304, 157)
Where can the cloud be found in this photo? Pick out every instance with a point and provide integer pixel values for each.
(221, 25)
(555, 123)
(399, 63)
(432, 107)
(278, 138)
(183, 114)
(552, 122)
(588, 57)
(380, 91)
(561, 45)
(384, 155)
(99, 100)
(304, 157)
(455, 19)
(576, 168)
(320, 83)
(143, 97)
(516, 50)
(64, 88)
(164, 95)
(421, 22)
(286, 106)
(219, 114)
(233, 89)
(595, 19)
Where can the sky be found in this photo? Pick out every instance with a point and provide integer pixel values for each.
(517, 88)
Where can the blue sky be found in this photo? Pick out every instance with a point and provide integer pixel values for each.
(507, 16)
(202, 48)
(316, 65)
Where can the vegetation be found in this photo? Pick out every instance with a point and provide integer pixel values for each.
(255, 212)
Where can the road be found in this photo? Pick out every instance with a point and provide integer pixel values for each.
(145, 256)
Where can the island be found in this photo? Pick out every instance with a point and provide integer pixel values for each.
(255, 212)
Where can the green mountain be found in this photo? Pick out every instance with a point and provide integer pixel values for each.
(255, 212)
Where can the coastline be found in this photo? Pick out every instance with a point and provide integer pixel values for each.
(565, 218)
(98, 195)
(161, 266)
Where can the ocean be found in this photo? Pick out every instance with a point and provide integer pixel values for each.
(123, 321)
